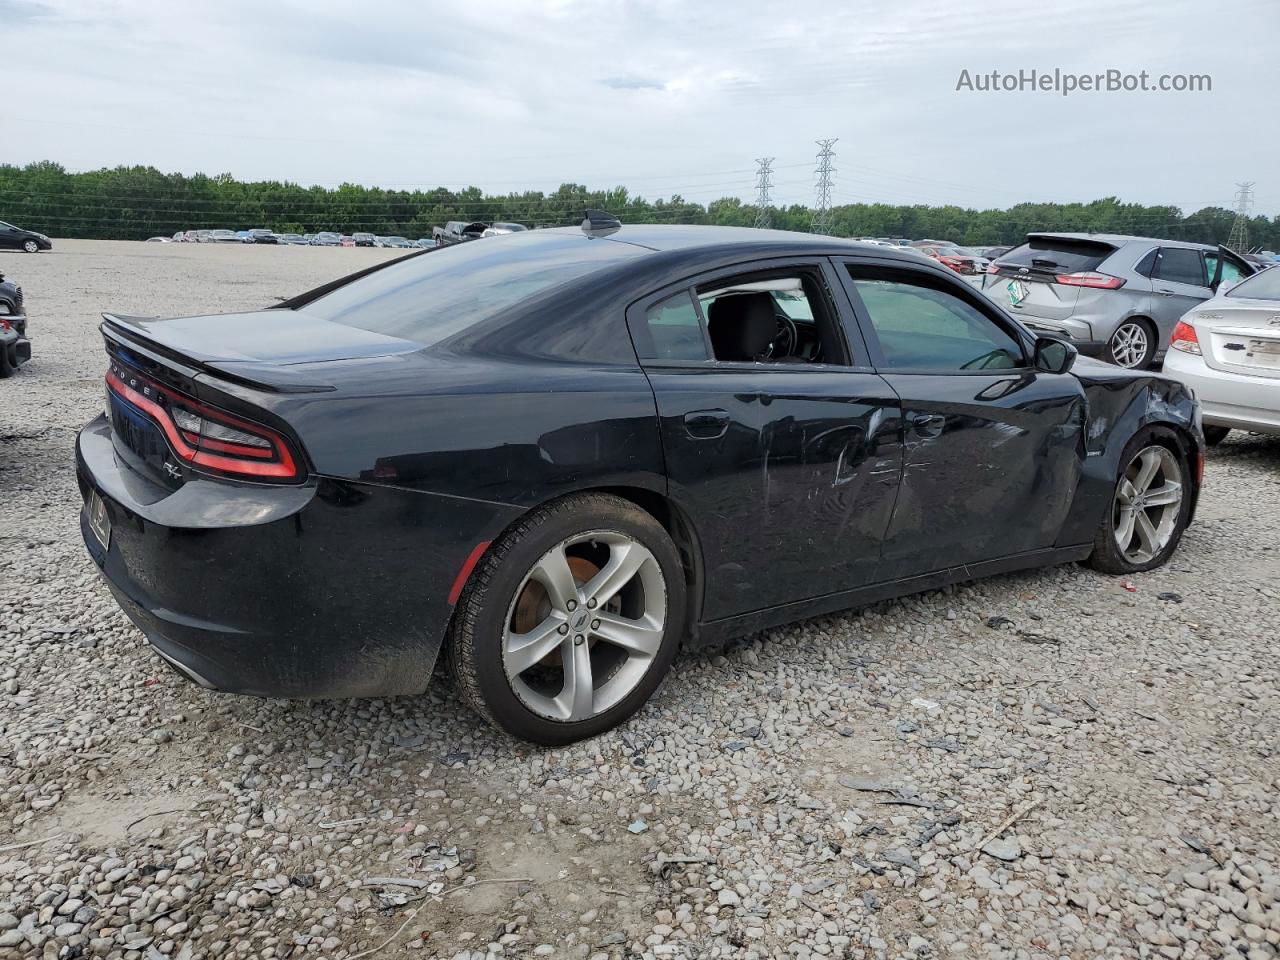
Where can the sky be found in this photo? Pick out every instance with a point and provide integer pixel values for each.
(661, 97)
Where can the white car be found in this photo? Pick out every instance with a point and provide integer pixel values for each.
(1227, 349)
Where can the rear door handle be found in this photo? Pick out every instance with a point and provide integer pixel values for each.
(928, 425)
(706, 424)
(1165, 293)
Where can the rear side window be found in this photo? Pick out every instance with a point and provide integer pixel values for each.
(1058, 255)
(435, 295)
(676, 329)
(1179, 265)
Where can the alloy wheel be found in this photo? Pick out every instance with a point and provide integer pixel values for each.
(1147, 505)
(585, 626)
(1129, 344)
(31, 246)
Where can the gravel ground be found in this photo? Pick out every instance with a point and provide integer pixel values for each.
(1045, 764)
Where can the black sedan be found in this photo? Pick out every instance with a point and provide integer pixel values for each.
(555, 456)
(16, 238)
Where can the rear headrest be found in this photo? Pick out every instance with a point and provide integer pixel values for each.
(742, 325)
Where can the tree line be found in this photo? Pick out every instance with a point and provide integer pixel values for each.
(134, 203)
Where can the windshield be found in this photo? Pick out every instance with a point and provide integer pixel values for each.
(431, 296)
(1261, 286)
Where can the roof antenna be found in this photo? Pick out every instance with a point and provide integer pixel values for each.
(599, 223)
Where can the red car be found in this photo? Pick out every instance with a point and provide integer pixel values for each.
(953, 258)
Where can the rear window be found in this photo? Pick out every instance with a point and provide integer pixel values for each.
(1059, 255)
(432, 296)
(1261, 286)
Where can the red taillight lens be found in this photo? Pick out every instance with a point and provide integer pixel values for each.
(206, 437)
(992, 268)
(951, 262)
(1184, 338)
(1102, 281)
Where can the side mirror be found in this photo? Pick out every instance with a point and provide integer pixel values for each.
(1054, 355)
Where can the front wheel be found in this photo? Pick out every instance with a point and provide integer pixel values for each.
(1133, 345)
(570, 621)
(31, 246)
(1149, 508)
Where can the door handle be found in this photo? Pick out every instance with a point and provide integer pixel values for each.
(706, 424)
(928, 425)
(1165, 293)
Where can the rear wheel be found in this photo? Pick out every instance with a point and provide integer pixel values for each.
(1149, 508)
(1215, 435)
(1133, 345)
(571, 620)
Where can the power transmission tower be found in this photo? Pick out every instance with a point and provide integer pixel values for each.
(764, 181)
(1239, 239)
(825, 171)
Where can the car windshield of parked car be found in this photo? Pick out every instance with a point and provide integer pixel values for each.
(1261, 286)
(429, 297)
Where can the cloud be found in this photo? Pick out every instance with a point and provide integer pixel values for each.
(663, 96)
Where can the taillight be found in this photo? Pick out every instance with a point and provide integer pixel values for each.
(993, 268)
(1102, 281)
(951, 262)
(1184, 338)
(206, 437)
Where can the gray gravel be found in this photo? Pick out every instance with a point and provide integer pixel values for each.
(1095, 777)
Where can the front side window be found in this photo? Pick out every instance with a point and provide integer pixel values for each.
(1179, 265)
(922, 327)
(1231, 272)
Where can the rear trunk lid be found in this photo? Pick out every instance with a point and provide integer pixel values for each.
(1239, 336)
(1024, 279)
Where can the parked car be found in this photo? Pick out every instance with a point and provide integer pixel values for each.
(179, 237)
(953, 258)
(993, 253)
(1227, 349)
(261, 235)
(293, 239)
(191, 236)
(698, 407)
(15, 347)
(425, 242)
(16, 238)
(497, 229)
(326, 239)
(363, 239)
(204, 236)
(400, 243)
(458, 231)
(1116, 297)
(224, 236)
(346, 241)
(159, 240)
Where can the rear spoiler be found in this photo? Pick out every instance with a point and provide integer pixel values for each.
(129, 333)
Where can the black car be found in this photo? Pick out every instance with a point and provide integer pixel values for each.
(555, 456)
(15, 348)
(15, 238)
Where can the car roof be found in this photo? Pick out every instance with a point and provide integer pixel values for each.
(688, 237)
(1119, 239)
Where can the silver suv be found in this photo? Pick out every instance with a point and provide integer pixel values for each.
(1114, 297)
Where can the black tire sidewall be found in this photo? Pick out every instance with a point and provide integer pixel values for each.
(513, 561)
(1145, 438)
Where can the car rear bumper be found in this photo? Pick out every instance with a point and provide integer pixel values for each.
(1233, 400)
(327, 590)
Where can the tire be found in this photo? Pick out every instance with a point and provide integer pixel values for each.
(31, 246)
(6, 368)
(1132, 345)
(1168, 524)
(1215, 435)
(588, 532)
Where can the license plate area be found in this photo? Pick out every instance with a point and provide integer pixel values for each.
(99, 521)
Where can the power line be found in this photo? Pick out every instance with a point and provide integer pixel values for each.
(1239, 238)
(825, 172)
(764, 180)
